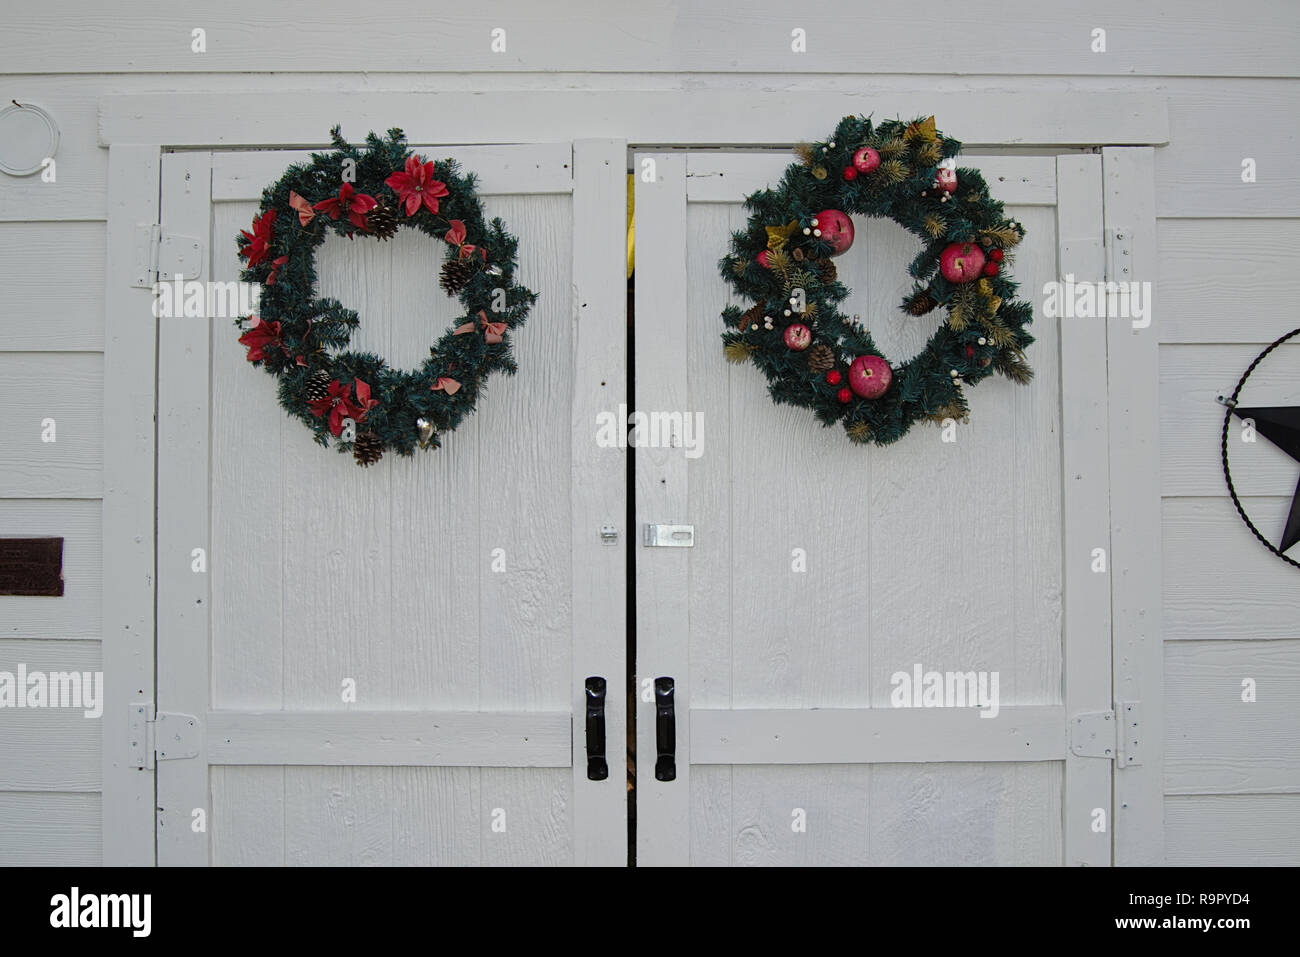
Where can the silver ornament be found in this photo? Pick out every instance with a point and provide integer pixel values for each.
(424, 428)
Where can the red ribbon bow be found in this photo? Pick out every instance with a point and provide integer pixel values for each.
(493, 332)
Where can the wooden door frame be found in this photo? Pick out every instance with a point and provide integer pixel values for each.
(138, 549)
(137, 128)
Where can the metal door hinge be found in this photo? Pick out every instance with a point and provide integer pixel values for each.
(1119, 254)
(672, 536)
(161, 736)
(1101, 734)
(163, 255)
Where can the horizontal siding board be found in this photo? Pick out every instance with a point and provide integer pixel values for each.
(1241, 830)
(1227, 280)
(1250, 38)
(1216, 743)
(499, 170)
(729, 177)
(52, 286)
(1191, 457)
(69, 389)
(49, 749)
(50, 830)
(1215, 125)
(1219, 582)
(871, 735)
(77, 613)
(700, 116)
(411, 738)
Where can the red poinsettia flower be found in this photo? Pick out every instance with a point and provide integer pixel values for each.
(416, 187)
(275, 269)
(340, 405)
(348, 201)
(259, 240)
(261, 336)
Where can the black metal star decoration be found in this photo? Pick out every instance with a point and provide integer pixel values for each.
(1280, 424)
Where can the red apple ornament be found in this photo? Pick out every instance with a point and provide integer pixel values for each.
(869, 376)
(961, 262)
(797, 337)
(835, 228)
(866, 160)
(946, 179)
(850, 173)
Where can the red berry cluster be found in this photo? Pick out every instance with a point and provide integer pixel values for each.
(991, 267)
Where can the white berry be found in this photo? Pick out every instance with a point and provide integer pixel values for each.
(817, 232)
(787, 312)
(983, 341)
(806, 230)
(954, 373)
(814, 222)
(832, 143)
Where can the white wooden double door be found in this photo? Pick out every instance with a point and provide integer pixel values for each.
(387, 666)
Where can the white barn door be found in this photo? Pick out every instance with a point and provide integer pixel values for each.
(820, 569)
(465, 594)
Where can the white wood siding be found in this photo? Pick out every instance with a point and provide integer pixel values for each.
(1224, 251)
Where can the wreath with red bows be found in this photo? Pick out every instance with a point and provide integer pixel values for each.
(356, 398)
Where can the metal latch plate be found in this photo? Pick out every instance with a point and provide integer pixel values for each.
(670, 536)
(1092, 734)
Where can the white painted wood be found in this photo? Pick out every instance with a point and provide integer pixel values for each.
(65, 388)
(53, 287)
(47, 202)
(727, 177)
(77, 613)
(876, 735)
(1203, 537)
(1191, 455)
(701, 116)
(49, 749)
(128, 506)
(1218, 743)
(1225, 280)
(662, 574)
(1133, 371)
(1256, 38)
(385, 577)
(541, 168)
(184, 593)
(599, 493)
(1086, 507)
(50, 830)
(490, 739)
(821, 645)
(1246, 830)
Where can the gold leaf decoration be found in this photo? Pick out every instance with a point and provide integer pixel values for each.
(805, 153)
(891, 172)
(739, 351)
(859, 432)
(778, 236)
(929, 154)
(892, 149)
(934, 225)
(922, 131)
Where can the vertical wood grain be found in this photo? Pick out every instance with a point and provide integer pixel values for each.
(1134, 375)
(598, 492)
(128, 507)
(662, 585)
(184, 522)
(1085, 483)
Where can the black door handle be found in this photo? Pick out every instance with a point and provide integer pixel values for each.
(665, 730)
(597, 768)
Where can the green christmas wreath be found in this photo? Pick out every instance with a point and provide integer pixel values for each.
(816, 357)
(302, 340)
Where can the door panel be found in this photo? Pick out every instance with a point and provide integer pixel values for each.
(441, 585)
(946, 555)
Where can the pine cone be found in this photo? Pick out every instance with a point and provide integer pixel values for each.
(821, 358)
(382, 221)
(826, 270)
(318, 385)
(367, 449)
(456, 274)
(753, 316)
(921, 303)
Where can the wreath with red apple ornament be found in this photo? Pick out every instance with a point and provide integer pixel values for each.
(816, 357)
(353, 397)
